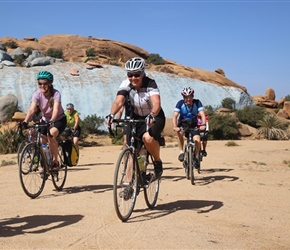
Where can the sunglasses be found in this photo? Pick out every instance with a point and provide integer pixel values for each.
(42, 83)
(136, 75)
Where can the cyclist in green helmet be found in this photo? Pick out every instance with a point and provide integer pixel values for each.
(49, 101)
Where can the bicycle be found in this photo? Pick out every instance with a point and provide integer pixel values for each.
(69, 151)
(129, 179)
(34, 169)
(25, 139)
(190, 160)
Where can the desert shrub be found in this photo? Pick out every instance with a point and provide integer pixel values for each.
(155, 59)
(11, 44)
(91, 52)
(56, 53)
(19, 59)
(9, 141)
(228, 103)
(28, 50)
(223, 127)
(115, 63)
(287, 98)
(6, 163)
(209, 110)
(10, 112)
(231, 144)
(250, 115)
(117, 139)
(271, 128)
(91, 125)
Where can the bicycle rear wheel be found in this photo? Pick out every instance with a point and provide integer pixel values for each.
(59, 177)
(32, 171)
(151, 191)
(125, 185)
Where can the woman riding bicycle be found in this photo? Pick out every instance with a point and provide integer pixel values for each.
(49, 101)
(145, 102)
(187, 109)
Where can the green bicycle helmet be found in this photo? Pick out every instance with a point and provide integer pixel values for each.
(45, 75)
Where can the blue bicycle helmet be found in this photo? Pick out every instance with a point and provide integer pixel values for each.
(45, 75)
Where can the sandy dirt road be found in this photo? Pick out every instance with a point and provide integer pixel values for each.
(241, 200)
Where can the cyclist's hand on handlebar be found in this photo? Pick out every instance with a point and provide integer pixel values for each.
(177, 129)
(24, 125)
(109, 119)
(150, 119)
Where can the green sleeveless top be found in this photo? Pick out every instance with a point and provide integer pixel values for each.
(70, 119)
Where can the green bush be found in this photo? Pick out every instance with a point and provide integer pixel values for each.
(91, 125)
(229, 103)
(91, 52)
(56, 53)
(155, 59)
(223, 127)
(9, 141)
(28, 50)
(287, 98)
(19, 59)
(115, 63)
(251, 115)
(11, 44)
(209, 110)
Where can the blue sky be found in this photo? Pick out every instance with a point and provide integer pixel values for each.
(249, 40)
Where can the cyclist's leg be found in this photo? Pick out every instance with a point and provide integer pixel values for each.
(59, 127)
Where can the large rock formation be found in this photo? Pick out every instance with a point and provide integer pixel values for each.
(74, 49)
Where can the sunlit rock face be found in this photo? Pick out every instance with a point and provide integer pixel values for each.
(93, 90)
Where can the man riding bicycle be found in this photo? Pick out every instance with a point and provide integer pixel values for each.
(144, 97)
(187, 109)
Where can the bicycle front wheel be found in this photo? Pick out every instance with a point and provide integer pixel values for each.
(151, 190)
(191, 164)
(32, 171)
(59, 176)
(125, 185)
(20, 148)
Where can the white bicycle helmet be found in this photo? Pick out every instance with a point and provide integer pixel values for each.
(187, 91)
(135, 64)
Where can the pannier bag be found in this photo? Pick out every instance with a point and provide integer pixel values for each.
(70, 153)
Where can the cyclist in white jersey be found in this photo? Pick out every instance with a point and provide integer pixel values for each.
(144, 97)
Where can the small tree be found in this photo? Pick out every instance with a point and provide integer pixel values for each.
(229, 103)
(91, 124)
(155, 59)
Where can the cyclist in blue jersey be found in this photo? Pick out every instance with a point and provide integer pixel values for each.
(145, 103)
(188, 108)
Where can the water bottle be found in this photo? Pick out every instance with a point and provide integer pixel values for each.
(47, 153)
(143, 156)
(141, 163)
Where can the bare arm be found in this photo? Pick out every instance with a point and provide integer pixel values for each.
(30, 112)
(174, 121)
(156, 105)
(56, 106)
(117, 104)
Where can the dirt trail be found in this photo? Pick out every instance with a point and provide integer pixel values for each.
(241, 200)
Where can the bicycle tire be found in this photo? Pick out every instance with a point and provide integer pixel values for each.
(185, 163)
(32, 171)
(20, 148)
(59, 176)
(124, 204)
(191, 163)
(151, 190)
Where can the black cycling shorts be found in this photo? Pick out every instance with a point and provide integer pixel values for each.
(60, 125)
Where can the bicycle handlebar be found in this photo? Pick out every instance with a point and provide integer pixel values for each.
(128, 121)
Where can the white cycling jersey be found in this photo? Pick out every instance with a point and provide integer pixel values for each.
(140, 100)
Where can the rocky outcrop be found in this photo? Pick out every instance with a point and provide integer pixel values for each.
(8, 104)
(268, 100)
(74, 49)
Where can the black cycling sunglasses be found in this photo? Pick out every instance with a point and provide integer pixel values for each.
(138, 74)
(42, 83)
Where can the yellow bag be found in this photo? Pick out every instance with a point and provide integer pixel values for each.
(71, 154)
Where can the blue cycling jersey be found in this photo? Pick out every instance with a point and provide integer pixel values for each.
(188, 112)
